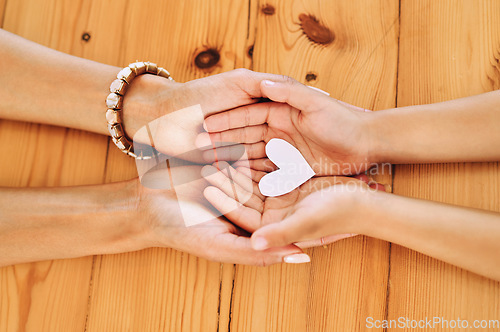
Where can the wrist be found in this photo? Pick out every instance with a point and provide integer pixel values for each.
(146, 100)
(373, 126)
(374, 206)
(118, 206)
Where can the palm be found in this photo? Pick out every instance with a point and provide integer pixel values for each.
(235, 193)
(330, 148)
(169, 211)
(182, 108)
(278, 208)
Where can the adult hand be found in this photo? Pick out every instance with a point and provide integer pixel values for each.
(333, 137)
(159, 213)
(162, 104)
(235, 193)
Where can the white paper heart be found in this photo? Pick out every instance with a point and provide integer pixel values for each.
(293, 169)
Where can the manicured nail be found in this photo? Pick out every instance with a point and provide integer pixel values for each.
(318, 89)
(260, 243)
(297, 259)
(269, 83)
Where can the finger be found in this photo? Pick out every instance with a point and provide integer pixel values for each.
(377, 186)
(234, 249)
(227, 185)
(294, 94)
(243, 216)
(252, 134)
(323, 241)
(251, 173)
(362, 177)
(234, 152)
(243, 177)
(370, 182)
(244, 116)
(261, 165)
(290, 230)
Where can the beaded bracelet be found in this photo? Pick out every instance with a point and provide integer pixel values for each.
(114, 102)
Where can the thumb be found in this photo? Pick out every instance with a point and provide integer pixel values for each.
(287, 231)
(294, 94)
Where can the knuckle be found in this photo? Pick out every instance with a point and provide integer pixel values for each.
(289, 80)
(265, 132)
(241, 72)
(247, 116)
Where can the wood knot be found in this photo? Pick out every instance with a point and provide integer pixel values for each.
(207, 59)
(314, 30)
(310, 76)
(268, 10)
(86, 37)
(250, 51)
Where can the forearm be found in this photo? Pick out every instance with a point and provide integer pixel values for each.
(461, 130)
(52, 223)
(464, 237)
(46, 86)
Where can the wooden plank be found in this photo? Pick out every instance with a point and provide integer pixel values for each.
(52, 295)
(449, 49)
(3, 3)
(161, 289)
(347, 281)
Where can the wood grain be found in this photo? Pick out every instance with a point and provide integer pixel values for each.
(3, 3)
(369, 54)
(47, 296)
(345, 282)
(449, 49)
(164, 290)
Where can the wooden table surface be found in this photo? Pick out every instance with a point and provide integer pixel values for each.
(375, 54)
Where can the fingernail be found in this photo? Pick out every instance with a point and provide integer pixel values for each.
(318, 89)
(269, 83)
(297, 259)
(260, 243)
(205, 126)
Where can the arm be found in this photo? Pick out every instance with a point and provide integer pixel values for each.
(468, 238)
(42, 85)
(464, 237)
(48, 223)
(46, 86)
(53, 223)
(460, 130)
(339, 139)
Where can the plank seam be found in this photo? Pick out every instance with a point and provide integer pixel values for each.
(221, 277)
(2, 19)
(231, 300)
(106, 162)
(89, 301)
(388, 290)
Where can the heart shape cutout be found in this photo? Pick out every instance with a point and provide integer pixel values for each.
(293, 170)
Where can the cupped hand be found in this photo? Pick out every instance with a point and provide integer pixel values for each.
(162, 214)
(332, 136)
(235, 193)
(169, 115)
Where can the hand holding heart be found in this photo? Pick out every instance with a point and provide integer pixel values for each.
(255, 211)
(332, 136)
(293, 170)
